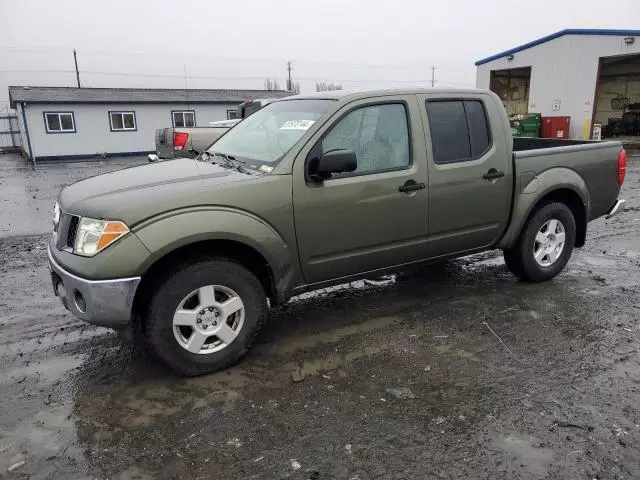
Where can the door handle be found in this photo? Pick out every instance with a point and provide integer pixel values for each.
(411, 186)
(492, 174)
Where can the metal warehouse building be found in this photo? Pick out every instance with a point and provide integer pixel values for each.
(68, 123)
(592, 76)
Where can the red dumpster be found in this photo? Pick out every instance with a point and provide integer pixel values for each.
(555, 127)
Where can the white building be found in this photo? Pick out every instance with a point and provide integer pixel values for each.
(67, 123)
(590, 75)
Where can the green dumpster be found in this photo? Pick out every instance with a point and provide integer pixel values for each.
(525, 125)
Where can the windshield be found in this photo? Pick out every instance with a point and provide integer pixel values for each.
(267, 135)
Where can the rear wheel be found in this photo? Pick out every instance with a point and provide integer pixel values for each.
(205, 316)
(545, 244)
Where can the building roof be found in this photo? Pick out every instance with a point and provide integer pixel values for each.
(59, 95)
(561, 33)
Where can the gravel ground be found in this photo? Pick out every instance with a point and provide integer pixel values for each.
(452, 371)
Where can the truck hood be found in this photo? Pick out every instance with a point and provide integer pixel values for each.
(136, 193)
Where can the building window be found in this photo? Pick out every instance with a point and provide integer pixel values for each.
(232, 114)
(59, 122)
(459, 130)
(122, 121)
(184, 118)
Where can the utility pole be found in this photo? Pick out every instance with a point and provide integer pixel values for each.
(433, 76)
(289, 83)
(75, 60)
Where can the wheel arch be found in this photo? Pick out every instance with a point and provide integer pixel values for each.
(245, 255)
(248, 240)
(557, 185)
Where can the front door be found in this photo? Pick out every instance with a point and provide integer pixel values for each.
(368, 219)
(470, 173)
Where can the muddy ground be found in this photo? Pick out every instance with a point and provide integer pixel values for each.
(394, 378)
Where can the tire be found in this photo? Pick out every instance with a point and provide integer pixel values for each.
(199, 291)
(521, 259)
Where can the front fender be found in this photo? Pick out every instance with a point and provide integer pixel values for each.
(533, 190)
(168, 232)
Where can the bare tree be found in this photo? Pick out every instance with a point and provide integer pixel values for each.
(295, 86)
(271, 84)
(327, 86)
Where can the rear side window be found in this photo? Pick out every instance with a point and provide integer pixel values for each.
(478, 127)
(459, 130)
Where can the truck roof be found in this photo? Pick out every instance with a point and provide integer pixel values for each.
(355, 94)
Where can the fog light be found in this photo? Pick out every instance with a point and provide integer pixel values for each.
(79, 299)
(60, 290)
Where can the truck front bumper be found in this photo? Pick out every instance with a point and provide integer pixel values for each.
(107, 303)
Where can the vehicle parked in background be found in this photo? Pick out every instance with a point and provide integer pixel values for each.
(189, 142)
(312, 191)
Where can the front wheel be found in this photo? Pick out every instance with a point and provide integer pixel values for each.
(545, 244)
(205, 316)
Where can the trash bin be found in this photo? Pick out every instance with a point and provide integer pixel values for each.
(525, 125)
(555, 127)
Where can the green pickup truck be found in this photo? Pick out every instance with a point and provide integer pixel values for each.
(314, 190)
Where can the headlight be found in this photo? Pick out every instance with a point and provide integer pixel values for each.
(95, 235)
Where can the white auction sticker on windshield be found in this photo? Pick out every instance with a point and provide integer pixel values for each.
(297, 125)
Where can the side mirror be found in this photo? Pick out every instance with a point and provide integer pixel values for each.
(152, 158)
(333, 161)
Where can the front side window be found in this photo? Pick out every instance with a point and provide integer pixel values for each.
(184, 118)
(459, 130)
(59, 122)
(232, 114)
(122, 121)
(378, 134)
(267, 135)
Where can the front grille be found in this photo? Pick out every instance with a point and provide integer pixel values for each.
(73, 230)
(67, 230)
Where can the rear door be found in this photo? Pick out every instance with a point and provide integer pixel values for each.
(374, 217)
(470, 172)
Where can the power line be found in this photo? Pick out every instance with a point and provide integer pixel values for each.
(182, 55)
(210, 77)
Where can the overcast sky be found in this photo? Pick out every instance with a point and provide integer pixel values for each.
(236, 44)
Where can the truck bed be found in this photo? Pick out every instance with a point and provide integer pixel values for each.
(533, 156)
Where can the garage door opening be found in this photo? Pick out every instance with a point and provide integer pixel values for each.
(512, 86)
(617, 104)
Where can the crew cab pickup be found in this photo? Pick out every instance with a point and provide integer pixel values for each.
(316, 190)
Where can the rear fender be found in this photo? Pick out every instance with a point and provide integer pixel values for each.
(533, 190)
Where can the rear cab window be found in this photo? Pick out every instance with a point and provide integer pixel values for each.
(459, 129)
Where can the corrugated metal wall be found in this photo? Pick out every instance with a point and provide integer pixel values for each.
(563, 74)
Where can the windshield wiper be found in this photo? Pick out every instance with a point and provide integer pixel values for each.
(229, 161)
